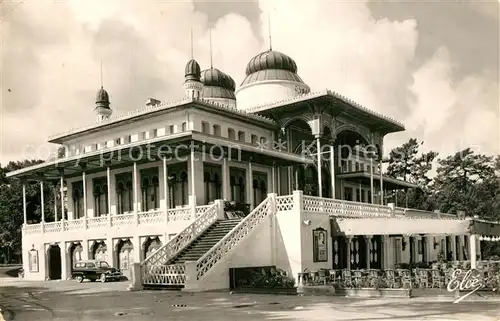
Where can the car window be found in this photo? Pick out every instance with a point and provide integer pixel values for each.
(103, 264)
(90, 265)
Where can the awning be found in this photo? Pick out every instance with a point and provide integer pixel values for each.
(393, 225)
(364, 178)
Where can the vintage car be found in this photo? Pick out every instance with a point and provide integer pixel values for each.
(95, 270)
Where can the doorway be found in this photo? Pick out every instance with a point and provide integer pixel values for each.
(54, 262)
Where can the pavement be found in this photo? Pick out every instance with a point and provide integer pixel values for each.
(71, 301)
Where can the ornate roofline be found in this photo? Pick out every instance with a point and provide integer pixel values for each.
(163, 106)
(325, 92)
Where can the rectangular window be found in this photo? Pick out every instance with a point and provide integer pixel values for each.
(171, 129)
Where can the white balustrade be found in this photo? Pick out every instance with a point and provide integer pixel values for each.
(234, 237)
(184, 238)
(284, 203)
(174, 274)
(153, 217)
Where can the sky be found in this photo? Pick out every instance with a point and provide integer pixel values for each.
(432, 65)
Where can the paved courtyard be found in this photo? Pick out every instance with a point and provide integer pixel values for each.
(68, 300)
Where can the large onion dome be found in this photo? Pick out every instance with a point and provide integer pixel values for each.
(217, 84)
(271, 65)
(192, 71)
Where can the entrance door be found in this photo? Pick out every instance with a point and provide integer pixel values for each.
(55, 270)
(126, 258)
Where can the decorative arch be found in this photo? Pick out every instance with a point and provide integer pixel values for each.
(352, 128)
(304, 117)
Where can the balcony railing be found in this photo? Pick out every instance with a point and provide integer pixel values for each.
(152, 217)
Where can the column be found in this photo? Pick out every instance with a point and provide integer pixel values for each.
(55, 202)
(278, 178)
(320, 180)
(195, 179)
(371, 182)
(332, 170)
(383, 253)
(42, 202)
(381, 183)
(348, 240)
(165, 185)
(61, 191)
(84, 183)
(368, 242)
(273, 178)
(460, 254)
(135, 178)
(473, 253)
(108, 177)
(25, 214)
(296, 177)
(64, 261)
(251, 201)
(226, 192)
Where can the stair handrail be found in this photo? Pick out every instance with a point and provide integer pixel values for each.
(203, 267)
(167, 251)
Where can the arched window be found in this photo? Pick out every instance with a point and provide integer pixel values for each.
(184, 127)
(124, 190)
(237, 181)
(216, 129)
(255, 139)
(205, 127)
(78, 207)
(230, 134)
(259, 187)
(263, 141)
(212, 184)
(241, 136)
(100, 198)
(150, 192)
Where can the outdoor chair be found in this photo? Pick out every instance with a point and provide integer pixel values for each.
(437, 279)
(391, 279)
(347, 278)
(422, 278)
(405, 276)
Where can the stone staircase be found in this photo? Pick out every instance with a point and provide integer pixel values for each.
(205, 241)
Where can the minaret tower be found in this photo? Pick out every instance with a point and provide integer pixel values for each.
(102, 109)
(192, 84)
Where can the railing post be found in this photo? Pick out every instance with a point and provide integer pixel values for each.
(85, 221)
(220, 209)
(42, 228)
(191, 273)
(192, 203)
(298, 200)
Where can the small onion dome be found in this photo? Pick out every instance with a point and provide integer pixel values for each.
(102, 98)
(271, 65)
(217, 84)
(192, 71)
(271, 60)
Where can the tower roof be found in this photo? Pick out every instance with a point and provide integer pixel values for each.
(192, 71)
(102, 98)
(271, 60)
(217, 84)
(271, 65)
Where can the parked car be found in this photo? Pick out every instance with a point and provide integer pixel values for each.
(95, 270)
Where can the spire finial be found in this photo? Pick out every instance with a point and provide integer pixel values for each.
(101, 76)
(210, 36)
(192, 53)
(270, 35)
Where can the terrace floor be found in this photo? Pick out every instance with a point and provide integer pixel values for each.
(68, 300)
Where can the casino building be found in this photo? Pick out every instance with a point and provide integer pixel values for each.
(152, 186)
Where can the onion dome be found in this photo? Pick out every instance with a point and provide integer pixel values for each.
(102, 98)
(271, 65)
(192, 71)
(217, 84)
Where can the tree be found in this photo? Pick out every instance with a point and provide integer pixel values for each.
(406, 164)
(466, 182)
(11, 207)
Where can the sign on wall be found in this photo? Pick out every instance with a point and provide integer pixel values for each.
(320, 245)
(33, 260)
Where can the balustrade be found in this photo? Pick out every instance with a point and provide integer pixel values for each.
(129, 219)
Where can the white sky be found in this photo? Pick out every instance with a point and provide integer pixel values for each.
(433, 66)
